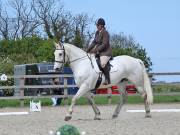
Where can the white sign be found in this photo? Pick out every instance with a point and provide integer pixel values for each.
(3, 77)
(35, 106)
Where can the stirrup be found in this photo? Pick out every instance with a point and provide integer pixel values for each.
(105, 83)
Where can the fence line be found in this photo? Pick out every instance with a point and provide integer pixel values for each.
(22, 86)
(41, 76)
(165, 73)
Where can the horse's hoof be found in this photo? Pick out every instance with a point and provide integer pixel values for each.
(114, 116)
(148, 116)
(67, 118)
(96, 118)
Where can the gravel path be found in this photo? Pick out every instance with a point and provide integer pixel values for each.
(40, 123)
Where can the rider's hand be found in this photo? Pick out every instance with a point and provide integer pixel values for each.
(87, 50)
(93, 51)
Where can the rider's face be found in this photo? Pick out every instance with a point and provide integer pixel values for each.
(99, 27)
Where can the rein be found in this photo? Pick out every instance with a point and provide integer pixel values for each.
(73, 60)
(77, 59)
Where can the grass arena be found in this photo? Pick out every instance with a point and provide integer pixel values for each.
(128, 123)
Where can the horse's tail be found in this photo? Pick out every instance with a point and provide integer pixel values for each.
(147, 85)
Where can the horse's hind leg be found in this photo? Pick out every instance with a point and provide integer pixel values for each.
(147, 107)
(95, 108)
(146, 104)
(123, 98)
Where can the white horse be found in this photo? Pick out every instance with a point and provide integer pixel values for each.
(85, 75)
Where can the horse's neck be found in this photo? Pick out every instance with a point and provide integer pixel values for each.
(74, 52)
(75, 55)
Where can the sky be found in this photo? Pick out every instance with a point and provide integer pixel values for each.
(154, 24)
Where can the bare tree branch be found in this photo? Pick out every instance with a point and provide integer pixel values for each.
(55, 20)
(81, 23)
(26, 21)
(4, 21)
(44, 16)
(43, 9)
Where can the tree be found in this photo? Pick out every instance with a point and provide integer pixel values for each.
(48, 17)
(23, 24)
(56, 22)
(78, 41)
(82, 33)
(123, 45)
(45, 51)
(4, 21)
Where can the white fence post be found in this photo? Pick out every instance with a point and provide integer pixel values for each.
(65, 91)
(22, 91)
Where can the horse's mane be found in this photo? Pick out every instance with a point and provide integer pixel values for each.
(79, 50)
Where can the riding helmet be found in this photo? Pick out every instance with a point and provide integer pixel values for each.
(101, 21)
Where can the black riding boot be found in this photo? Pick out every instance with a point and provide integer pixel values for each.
(106, 70)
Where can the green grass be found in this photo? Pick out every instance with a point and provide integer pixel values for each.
(166, 99)
(98, 100)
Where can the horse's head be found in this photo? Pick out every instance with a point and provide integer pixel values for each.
(59, 56)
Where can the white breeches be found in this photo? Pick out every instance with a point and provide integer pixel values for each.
(104, 60)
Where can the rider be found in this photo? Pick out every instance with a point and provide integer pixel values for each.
(101, 47)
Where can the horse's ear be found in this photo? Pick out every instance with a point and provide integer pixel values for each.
(57, 46)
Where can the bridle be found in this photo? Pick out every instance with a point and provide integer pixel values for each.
(63, 61)
(64, 56)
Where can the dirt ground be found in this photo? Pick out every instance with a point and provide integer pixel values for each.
(50, 118)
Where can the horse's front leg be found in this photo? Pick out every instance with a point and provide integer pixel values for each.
(82, 90)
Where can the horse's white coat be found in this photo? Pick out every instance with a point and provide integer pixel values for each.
(86, 75)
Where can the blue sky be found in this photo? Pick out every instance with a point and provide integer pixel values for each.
(155, 24)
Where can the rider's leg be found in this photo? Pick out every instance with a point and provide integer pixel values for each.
(104, 60)
(107, 74)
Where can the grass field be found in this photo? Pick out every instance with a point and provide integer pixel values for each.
(98, 100)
